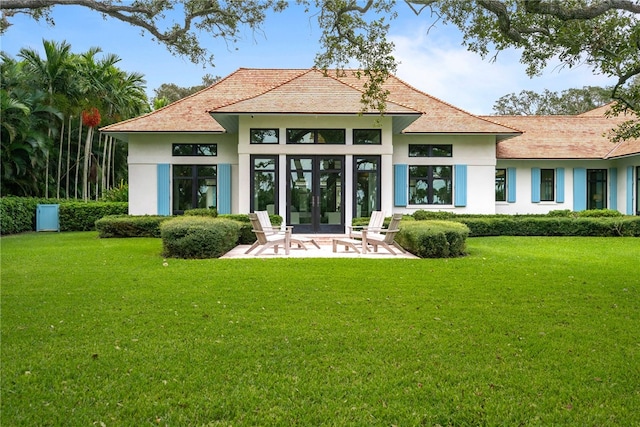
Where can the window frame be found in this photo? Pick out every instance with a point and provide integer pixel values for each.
(429, 177)
(547, 182)
(195, 150)
(193, 178)
(379, 136)
(316, 132)
(505, 183)
(252, 177)
(277, 135)
(378, 173)
(429, 150)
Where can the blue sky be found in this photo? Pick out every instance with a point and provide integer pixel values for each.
(432, 58)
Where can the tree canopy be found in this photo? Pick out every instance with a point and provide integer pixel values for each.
(604, 34)
(570, 101)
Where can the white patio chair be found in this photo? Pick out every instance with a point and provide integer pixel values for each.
(376, 222)
(384, 237)
(267, 239)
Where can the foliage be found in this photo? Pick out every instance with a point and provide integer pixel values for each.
(569, 102)
(247, 236)
(212, 212)
(18, 214)
(434, 239)
(82, 216)
(168, 93)
(117, 194)
(130, 226)
(198, 237)
(522, 331)
(44, 102)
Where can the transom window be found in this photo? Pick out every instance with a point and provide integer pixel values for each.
(315, 136)
(430, 185)
(430, 150)
(367, 136)
(195, 149)
(264, 136)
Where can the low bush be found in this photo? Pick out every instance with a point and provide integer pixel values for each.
(202, 212)
(198, 237)
(18, 214)
(130, 226)
(82, 216)
(434, 239)
(599, 213)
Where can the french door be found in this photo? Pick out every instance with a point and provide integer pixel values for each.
(315, 194)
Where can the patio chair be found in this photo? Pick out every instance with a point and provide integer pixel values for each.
(375, 224)
(267, 239)
(265, 224)
(384, 237)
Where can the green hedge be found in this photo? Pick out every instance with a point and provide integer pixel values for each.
(130, 225)
(434, 239)
(18, 214)
(553, 226)
(247, 236)
(198, 237)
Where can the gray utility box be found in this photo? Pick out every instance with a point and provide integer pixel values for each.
(48, 218)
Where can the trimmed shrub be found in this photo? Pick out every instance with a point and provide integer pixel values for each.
(434, 239)
(421, 215)
(247, 237)
(82, 216)
(198, 237)
(130, 226)
(18, 214)
(202, 212)
(598, 213)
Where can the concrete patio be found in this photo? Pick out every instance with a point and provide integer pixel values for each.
(325, 251)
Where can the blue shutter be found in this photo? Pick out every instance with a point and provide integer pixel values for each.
(560, 185)
(613, 188)
(224, 188)
(535, 185)
(164, 189)
(511, 185)
(629, 190)
(400, 185)
(460, 183)
(579, 189)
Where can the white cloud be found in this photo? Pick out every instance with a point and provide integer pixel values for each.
(439, 65)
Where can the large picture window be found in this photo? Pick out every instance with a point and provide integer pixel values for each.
(264, 183)
(195, 149)
(315, 136)
(430, 185)
(194, 186)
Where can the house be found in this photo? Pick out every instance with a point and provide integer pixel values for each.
(296, 142)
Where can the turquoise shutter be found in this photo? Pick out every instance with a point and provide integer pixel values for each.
(460, 183)
(613, 188)
(535, 185)
(560, 185)
(511, 185)
(164, 189)
(629, 190)
(224, 188)
(400, 185)
(579, 189)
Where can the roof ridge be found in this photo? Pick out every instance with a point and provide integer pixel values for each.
(273, 87)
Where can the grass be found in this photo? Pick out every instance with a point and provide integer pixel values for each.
(523, 331)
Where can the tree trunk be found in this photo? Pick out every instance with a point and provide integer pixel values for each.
(68, 159)
(60, 151)
(87, 159)
(78, 157)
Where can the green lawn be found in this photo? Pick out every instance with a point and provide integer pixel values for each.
(523, 331)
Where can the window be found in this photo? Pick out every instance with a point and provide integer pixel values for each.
(596, 188)
(366, 192)
(264, 136)
(315, 136)
(264, 184)
(194, 186)
(430, 150)
(430, 185)
(501, 185)
(195, 149)
(547, 185)
(367, 136)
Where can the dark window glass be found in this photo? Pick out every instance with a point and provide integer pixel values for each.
(430, 185)
(194, 186)
(264, 136)
(429, 150)
(501, 185)
(264, 184)
(313, 136)
(367, 136)
(596, 189)
(366, 197)
(547, 185)
(195, 149)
